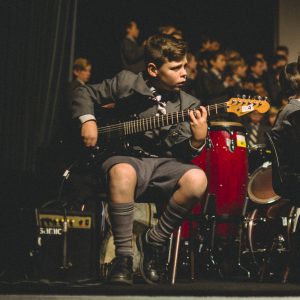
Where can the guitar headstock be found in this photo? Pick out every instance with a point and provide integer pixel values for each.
(243, 106)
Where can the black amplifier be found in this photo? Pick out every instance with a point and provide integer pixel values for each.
(67, 245)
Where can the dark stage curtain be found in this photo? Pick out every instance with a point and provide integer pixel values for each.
(37, 38)
(37, 54)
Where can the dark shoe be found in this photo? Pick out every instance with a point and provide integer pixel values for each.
(153, 260)
(121, 271)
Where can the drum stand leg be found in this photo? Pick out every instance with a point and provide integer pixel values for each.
(241, 269)
(192, 250)
(272, 258)
(170, 248)
(265, 273)
(294, 247)
(208, 223)
(176, 255)
(286, 277)
(190, 254)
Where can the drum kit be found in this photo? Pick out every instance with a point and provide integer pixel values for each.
(243, 230)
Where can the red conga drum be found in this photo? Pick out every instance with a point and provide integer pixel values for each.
(225, 163)
(228, 171)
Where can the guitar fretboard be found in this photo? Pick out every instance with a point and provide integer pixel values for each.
(149, 123)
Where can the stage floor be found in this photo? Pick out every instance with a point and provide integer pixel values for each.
(197, 288)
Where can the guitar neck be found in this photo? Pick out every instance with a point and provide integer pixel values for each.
(145, 124)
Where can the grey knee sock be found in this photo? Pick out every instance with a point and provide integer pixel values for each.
(121, 218)
(168, 222)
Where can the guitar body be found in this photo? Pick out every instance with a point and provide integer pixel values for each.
(110, 142)
(94, 156)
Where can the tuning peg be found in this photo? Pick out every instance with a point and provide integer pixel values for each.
(266, 98)
(259, 98)
(244, 96)
(238, 96)
(249, 97)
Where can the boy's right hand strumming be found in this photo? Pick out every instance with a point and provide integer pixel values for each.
(89, 133)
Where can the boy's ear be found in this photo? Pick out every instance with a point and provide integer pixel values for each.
(152, 70)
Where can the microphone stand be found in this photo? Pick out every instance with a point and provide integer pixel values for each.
(65, 263)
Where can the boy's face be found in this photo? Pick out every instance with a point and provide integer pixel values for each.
(281, 63)
(258, 68)
(133, 30)
(241, 71)
(220, 63)
(83, 75)
(260, 89)
(171, 76)
(256, 116)
(282, 52)
(215, 46)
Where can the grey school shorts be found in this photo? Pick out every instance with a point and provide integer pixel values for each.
(156, 177)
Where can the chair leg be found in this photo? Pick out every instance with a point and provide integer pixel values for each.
(178, 236)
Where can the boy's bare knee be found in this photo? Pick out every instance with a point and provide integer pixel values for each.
(123, 172)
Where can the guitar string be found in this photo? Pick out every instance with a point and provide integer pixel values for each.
(168, 117)
(159, 119)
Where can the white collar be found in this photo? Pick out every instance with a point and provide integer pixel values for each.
(79, 80)
(216, 72)
(131, 38)
(236, 78)
(291, 98)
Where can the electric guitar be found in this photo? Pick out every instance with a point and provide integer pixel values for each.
(114, 135)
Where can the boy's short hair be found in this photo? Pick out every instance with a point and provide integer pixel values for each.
(282, 48)
(233, 64)
(80, 64)
(253, 61)
(278, 58)
(213, 55)
(166, 29)
(162, 48)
